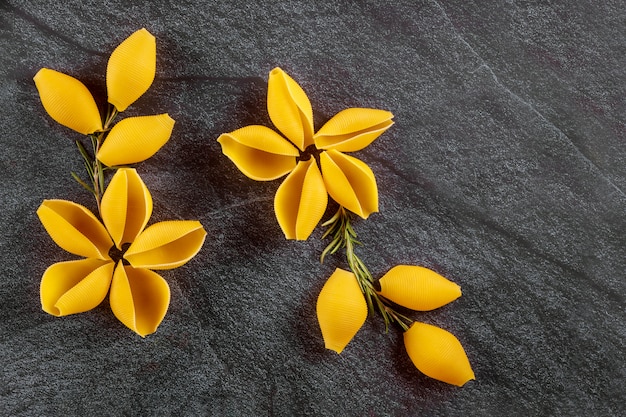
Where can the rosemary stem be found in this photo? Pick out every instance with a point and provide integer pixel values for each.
(344, 236)
(95, 168)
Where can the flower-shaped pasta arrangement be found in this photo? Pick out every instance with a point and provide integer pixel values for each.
(119, 251)
(316, 166)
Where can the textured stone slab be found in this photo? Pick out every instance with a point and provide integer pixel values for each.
(505, 172)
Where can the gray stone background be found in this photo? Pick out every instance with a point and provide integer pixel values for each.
(505, 172)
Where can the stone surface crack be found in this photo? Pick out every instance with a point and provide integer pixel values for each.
(48, 30)
(215, 80)
(485, 66)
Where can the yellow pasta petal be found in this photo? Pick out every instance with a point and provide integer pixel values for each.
(75, 229)
(166, 245)
(341, 310)
(139, 298)
(68, 101)
(290, 108)
(350, 182)
(75, 286)
(353, 129)
(135, 139)
(259, 152)
(126, 206)
(438, 354)
(301, 200)
(418, 288)
(131, 69)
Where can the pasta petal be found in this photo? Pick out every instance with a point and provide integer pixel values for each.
(75, 286)
(341, 309)
(350, 182)
(289, 108)
(75, 229)
(259, 152)
(166, 245)
(139, 298)
(301, 200)
(68, 101)
(438, 354)
(418, 288)
(135, 139)
(131, 69)
(126, 206)
(353, 129)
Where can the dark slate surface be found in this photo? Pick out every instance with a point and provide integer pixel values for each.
(505, 171)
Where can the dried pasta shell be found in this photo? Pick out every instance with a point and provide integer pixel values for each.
(75, 286)
(135, 139)
(350, 182)
(139, 298)
(68, 101)
(126, 206)
(289, 108)
(301, 200)
(131, 69)
(341, 309)
(75, 229)
(418, 288)
(259, 152)
(166, 245)
(438, 354)
(353, 129)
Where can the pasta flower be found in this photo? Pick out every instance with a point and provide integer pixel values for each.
(315, 162)
(120, 255)
(344, 301)
(130, 72)
(342, 310)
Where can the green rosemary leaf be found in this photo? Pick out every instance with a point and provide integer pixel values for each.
(81, 182)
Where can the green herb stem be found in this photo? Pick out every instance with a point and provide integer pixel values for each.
(343, 236)
(95, 169)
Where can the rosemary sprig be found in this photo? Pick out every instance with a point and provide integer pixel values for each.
(95, 169)
(343, 235)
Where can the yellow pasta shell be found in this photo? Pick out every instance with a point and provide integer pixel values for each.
(259, 152)
(75, 229)
(341, 309)
(139, 298)
(131, 69)
(438, 354)
(126, 206)
(68, 101)
(418, 288)
(289, 108)
(350, 182)
(301, 200)
(75, 286)
(166, 245)
(353, 129)
(135, 139)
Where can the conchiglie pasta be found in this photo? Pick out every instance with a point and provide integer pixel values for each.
(139, 298)
(341, 309)
(68, 101)
(135, 139)
(259, 152)
(438, 354)
(350, 182)
(126, 206)
(166, 245)
(131, 69)
(353, 129)
(301, 200)
(418, 288)
(75, 229)
(289, 108)
(75, 286)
